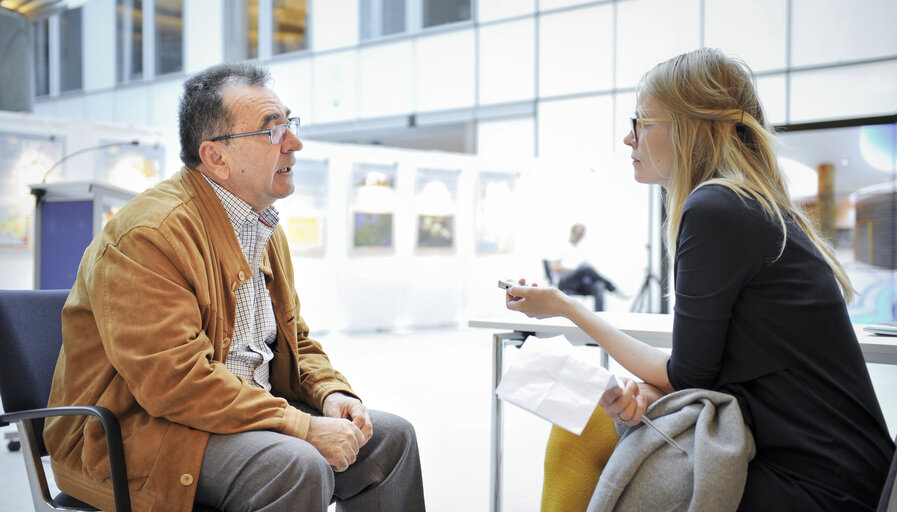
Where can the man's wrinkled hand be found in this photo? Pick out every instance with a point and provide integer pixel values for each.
(338, 405)
(337, 439)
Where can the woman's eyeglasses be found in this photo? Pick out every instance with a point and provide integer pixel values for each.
(276, 133)
(643, 121)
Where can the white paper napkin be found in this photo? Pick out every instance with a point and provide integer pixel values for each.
(556, 381)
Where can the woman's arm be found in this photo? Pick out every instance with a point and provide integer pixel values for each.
(643, 360)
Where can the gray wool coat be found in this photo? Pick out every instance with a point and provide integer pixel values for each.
(645, 473)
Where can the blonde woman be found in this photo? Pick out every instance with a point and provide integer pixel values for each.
(760, 300)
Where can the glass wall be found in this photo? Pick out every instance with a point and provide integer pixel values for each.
(440, 12)
(129, 36)
(846, 176)
(169, 33)
(381, 17)
(40, 43)
(258, 29)
(290, 18)
(70, 50)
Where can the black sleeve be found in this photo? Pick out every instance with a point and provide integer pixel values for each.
(717, 253)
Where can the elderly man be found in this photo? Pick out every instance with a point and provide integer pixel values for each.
(184, 321)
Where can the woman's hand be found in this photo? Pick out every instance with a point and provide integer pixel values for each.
(629, 402)
(536, 302)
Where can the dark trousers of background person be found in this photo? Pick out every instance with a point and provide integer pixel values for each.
(585, 280)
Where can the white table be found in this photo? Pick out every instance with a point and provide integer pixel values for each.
(653, 329)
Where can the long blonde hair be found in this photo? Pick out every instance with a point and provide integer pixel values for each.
(721, 136)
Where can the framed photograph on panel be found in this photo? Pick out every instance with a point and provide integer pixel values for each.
(304, 213)
(24, 160)
(494, 223)
(134, 168)
(372, 205)
(435, 198)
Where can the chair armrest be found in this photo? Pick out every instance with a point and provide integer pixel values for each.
(114, 445)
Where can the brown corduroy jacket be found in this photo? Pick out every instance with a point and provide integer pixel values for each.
(146, 331)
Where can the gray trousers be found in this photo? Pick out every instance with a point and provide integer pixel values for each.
(267, 471)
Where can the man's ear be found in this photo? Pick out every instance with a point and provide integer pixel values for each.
(214, 159)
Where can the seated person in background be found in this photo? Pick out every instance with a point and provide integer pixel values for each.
(575, 275)
(184, 321)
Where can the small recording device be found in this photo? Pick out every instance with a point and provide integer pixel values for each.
(507, 283)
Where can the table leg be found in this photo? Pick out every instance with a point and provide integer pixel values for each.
(499, 342)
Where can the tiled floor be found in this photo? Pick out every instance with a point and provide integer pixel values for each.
(439, 379)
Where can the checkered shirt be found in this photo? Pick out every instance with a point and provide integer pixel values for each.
(255, 328)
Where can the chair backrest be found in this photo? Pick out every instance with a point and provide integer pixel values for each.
(888, 501)
(30, 339)
(549, 275)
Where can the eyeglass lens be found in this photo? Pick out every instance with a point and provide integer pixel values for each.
(279, 132)
(634, 121)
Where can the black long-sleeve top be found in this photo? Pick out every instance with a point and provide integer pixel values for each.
(773, 330)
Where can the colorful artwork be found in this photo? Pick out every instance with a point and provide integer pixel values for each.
(373, 205)
(305, 211)
(373, 230)
(24, 160)
(436, 205)
(435, 231)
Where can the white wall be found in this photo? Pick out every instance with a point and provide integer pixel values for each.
(347, 289)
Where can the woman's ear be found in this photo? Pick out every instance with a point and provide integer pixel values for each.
(214, 159)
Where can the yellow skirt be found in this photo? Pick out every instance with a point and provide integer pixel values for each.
(574, 463)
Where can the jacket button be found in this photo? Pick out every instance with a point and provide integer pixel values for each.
(187, 479)
(242, 276)
(225, 342)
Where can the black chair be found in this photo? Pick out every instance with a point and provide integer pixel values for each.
(552, 280)
(888, 502)
(30, 339)
(549, 275)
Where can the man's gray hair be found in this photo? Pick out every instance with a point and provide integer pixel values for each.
(202, 114)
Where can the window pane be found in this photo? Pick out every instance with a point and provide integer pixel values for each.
(844, 92)
(446, 77)
(382, 17)
(506, 62)
(388, 80)
(643, 41)
(290, 23)
(859, 164)
(129, 26)
(41, 57)
(70, 40)
(251, 29)
(169, 18)
(576, 51)
(439, 12)
(738, 26)
(241, 26)
(825, 31)
(496, 9)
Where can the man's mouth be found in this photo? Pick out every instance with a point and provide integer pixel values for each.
(284, 170)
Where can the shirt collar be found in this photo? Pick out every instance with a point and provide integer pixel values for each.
(238, 210)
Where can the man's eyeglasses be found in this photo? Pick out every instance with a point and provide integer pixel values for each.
(276, 133)
(643, 121)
